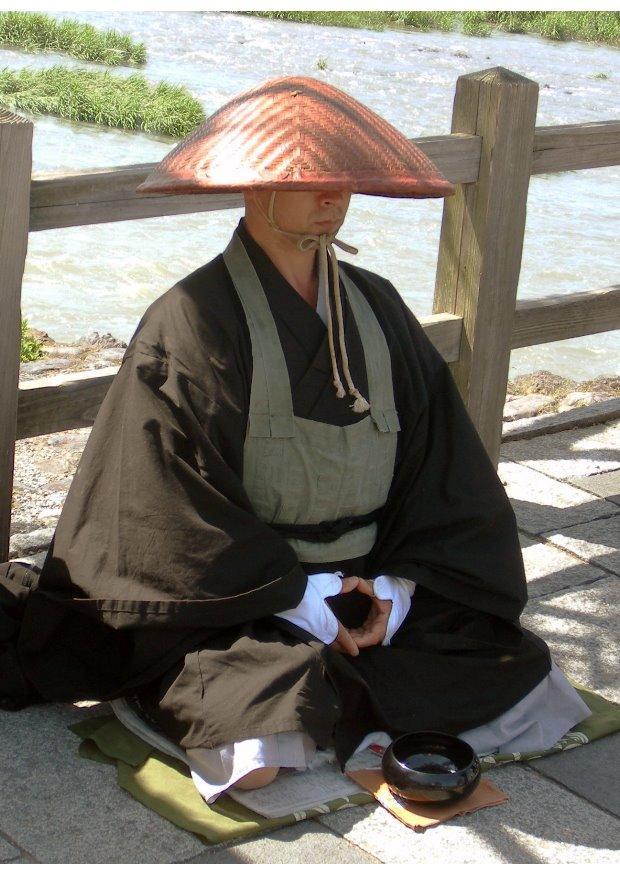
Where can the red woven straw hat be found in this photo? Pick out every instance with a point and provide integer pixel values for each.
(296, 133)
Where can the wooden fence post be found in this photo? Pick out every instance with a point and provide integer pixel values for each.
(482, 239)
(15, 176)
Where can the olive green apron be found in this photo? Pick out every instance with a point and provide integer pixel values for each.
(301, 472)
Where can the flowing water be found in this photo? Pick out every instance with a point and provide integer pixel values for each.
(104, 276)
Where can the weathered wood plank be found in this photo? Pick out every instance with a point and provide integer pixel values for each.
(67, 401)
(62, 402)
(576, 147)
(107, 194)
(558, 317)
(15, 174)
(482, 238)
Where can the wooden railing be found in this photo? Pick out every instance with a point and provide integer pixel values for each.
(492, 151)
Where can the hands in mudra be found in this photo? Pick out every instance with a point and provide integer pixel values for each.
(373, 629)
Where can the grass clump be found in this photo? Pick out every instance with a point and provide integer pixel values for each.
(603, 27)
(37, 32)
(131, 102)
(30, 348)
(367, 20)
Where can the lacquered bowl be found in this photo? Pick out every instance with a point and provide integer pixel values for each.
(430, 767)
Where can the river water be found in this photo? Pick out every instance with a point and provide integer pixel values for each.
(104, 276)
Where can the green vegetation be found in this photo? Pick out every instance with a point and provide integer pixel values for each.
(99, 96)
(322, 63)
(131, 103)
(601, 27)
(30, 348)
(36, 32)
(369, 20)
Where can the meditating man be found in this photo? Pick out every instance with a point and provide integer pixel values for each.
(284, 532)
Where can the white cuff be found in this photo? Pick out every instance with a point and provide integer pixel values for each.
(312, 613)
(400, 591)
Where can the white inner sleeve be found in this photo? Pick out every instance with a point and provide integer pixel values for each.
(313, 613)
(400, 591)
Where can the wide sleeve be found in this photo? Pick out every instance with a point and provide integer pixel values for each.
(448, 524)
(157, 527)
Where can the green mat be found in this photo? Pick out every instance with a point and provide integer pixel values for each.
(164, 784)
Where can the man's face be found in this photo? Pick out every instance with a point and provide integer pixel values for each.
(313, 212)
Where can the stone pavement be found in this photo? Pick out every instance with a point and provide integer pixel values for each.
(565, 489)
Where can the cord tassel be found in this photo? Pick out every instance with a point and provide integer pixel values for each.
(360, 405)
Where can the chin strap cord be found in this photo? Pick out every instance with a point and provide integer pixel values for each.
(325, 243)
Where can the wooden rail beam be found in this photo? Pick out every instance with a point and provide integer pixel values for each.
(558, 317)
(62, 402)
(15, 175)
(89, 197)
(576, 147)
(107, 194)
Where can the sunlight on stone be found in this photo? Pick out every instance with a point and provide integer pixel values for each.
(545, 850)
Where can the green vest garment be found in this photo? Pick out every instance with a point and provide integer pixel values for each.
(302, 472)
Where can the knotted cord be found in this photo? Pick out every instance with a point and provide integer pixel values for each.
(325, 244)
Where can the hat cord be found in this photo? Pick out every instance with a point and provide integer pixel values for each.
(323, 242)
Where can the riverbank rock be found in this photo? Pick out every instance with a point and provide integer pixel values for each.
(91, 351)
(41, 336)
(526, 405)
(112, 354)
(582, 399)
(40, 366)
(30, 542)
(59, 350)
(93, 338)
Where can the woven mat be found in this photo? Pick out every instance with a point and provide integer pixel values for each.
(164, 784)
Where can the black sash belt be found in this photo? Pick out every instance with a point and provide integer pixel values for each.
(328, 530)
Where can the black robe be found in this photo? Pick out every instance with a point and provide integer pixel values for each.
(162, 583)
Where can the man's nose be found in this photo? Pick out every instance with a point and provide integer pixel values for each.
(333, 197)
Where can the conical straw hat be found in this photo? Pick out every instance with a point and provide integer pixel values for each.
(296, 133)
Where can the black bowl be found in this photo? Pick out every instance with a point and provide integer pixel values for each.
(430, 767)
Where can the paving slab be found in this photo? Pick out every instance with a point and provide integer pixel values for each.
(580, 626)
(306, 842)
(571, 453)
(542, 822)
(541, 503)
(598, 541)
(590, 771)
(8, 851)
(605, 485)
(549, 569)
(61, 808)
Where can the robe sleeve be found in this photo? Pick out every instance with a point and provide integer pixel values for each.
(157, 527)
(448, 525)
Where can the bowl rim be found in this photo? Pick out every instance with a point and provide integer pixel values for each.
(441, 737)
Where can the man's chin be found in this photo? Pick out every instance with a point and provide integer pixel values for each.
(328, 227)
